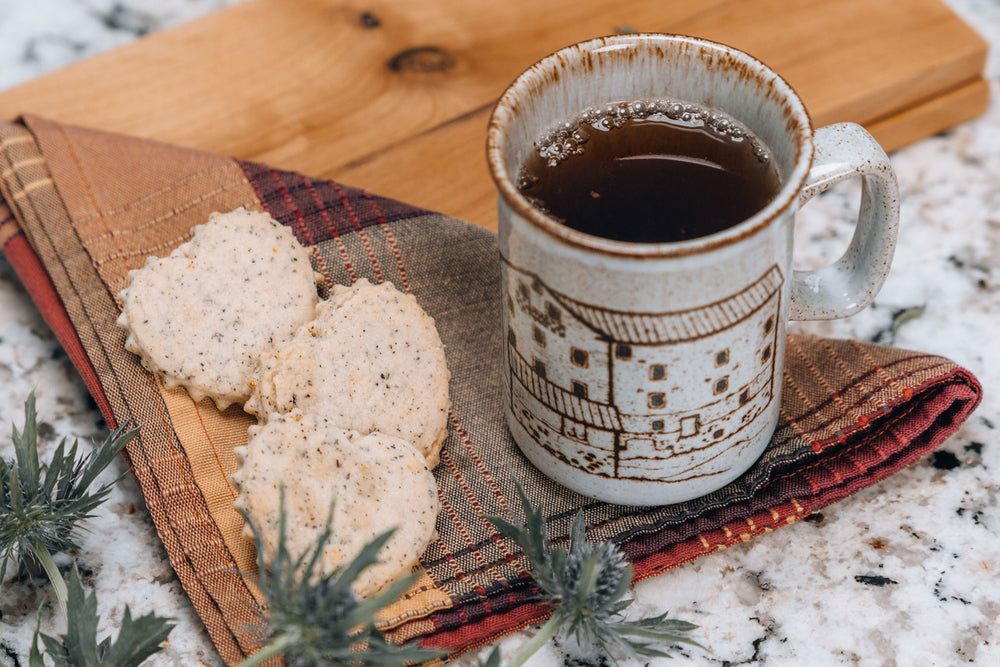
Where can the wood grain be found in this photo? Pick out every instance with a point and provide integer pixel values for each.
(393, 95)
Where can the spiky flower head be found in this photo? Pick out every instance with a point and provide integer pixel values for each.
(41, 504)
(586, 583)
(314, 618)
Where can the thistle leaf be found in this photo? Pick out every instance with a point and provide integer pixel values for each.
(533, 539)
(35, 655)
(137, 639)
(26, 449)
(54, 473)
(492, 660)
(80, 641)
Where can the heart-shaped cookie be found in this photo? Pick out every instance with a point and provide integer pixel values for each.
(202, 317)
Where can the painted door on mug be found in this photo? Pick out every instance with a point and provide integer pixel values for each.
(629, 394)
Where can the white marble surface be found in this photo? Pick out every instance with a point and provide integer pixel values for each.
(788, 598)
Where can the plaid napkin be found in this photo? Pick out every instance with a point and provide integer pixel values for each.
(80, 208)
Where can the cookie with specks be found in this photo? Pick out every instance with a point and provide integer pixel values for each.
(202, 317)
(371, 361)
(373, 482)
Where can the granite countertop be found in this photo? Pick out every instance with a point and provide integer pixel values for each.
(904, 573)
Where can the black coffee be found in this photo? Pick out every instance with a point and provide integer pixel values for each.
(650, 171)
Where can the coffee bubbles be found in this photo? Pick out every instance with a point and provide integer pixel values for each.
(649, 171)
(569, 137)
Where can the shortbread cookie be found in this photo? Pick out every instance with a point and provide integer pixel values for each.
(202, 316)
(371, 361)
(373, 482)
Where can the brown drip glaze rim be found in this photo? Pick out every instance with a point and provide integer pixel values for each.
(795, 110)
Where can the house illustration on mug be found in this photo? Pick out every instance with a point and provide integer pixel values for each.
(632, 395)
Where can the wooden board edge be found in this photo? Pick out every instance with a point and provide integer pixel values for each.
(945, 110)
(386, 171)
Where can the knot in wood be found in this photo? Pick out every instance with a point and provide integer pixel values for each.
(423, 60)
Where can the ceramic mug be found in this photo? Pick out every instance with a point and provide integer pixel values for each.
(651, 373)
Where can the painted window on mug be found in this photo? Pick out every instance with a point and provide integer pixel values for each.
(690, 426)
(554, 313)
(538, 335)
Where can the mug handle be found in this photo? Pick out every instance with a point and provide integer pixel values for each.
(844, 150)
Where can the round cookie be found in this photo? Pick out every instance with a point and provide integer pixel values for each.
(371, 361)
(374, 482)
(202, 316)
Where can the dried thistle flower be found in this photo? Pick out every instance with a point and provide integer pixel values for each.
(315, 618)
(585, 583)
(41, 504)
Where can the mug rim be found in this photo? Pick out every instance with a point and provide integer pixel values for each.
(505, 111)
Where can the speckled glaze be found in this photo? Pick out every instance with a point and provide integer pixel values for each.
(650, 374)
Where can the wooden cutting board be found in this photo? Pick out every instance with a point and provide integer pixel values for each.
(394, 95)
